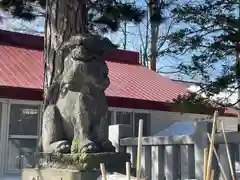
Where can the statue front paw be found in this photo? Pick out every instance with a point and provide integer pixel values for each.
(59, 147)
(89, 148)
(84, 147)
(63, 147)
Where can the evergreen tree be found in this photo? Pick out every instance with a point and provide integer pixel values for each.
(154, 31)
(103, 15)
(209, 30)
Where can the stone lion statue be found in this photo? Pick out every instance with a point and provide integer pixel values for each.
(74, 122)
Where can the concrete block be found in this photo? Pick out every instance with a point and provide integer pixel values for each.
(58, 174)
(117, 132)
(114, 162)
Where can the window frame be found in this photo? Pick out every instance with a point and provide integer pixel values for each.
(114, 110)
(148, 123)
(21, 102)
(6, 108)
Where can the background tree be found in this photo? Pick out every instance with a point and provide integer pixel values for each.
(150, 36)
(209, 32)
(154, 31)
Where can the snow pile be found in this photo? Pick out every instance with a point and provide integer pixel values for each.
(178, 129)
(237, 167)
(116, 176)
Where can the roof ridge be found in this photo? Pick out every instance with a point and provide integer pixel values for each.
(36, 42)
(13, 38)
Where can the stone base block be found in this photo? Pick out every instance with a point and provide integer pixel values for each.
(58, 174)
(114, 162)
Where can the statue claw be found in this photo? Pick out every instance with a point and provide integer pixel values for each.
(63, 147)
(89, 148)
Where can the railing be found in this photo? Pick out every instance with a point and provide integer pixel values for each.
(177, 157)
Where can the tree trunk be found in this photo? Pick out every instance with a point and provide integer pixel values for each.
(154, 39)
(76, 76)
(64, 19)
(154, 6)
(125, 35)
(238, 71)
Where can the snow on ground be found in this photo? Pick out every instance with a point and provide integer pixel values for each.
(237, 169)
(116, 176)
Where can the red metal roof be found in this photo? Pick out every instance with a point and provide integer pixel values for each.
(21, 66)
(135, 81)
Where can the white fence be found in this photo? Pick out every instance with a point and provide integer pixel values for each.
(176, 157)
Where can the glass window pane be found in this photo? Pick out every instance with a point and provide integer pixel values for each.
(124, 118)
(24, 119)
(21, 153)
(146, 123)
(109, 118)
(107, 122)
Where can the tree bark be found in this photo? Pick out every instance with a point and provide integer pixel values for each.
(64, 19)
(154, 7)
(238, 71)
(125, 35)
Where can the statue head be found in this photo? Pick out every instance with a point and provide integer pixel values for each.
(82, 81)
(85, 77)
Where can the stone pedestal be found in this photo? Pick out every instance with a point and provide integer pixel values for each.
(114, 162)
(75, 166)
(58, 174)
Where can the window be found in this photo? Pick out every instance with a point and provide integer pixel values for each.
(127, 118)
(146, 123)
(21, 153)
(108, 122)
(110, 118)
(124, 118)
(23, 135)
(24, 119)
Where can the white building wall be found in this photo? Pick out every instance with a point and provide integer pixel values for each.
(162, 119)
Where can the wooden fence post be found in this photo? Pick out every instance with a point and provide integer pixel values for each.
(200, 142)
